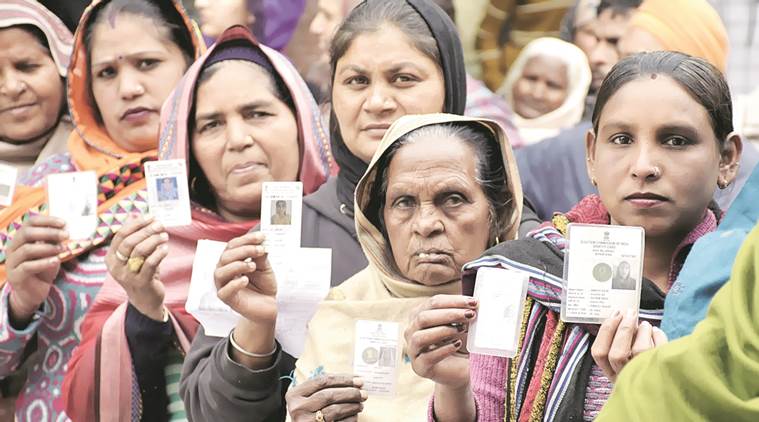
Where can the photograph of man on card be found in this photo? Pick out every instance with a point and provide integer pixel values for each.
(622, 279)
(167, 188)
(280, 213)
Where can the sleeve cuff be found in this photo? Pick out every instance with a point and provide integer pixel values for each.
(31, 328)
(240, 376)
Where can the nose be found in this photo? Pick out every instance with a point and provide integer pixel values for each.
(646, 165)
(427, 221)
(379, 100)
(539, 90)
(601, 54)
(238, 137)
(130, 85)
(317, 25)
(12, 86)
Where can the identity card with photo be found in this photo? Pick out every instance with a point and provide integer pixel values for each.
(8, 176)
(73, 197)
(501, 294)
(281, 204)
(376, 355)
(603, 272)
(168, 195)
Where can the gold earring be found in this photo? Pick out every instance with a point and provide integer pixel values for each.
(593, 181)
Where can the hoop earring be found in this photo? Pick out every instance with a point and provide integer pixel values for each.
(193, 182)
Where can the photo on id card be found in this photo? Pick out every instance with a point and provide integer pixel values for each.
(73, 197)
(376, 353)
(168, 195)
(8, 175)
(603, 272)
(500, 294)
(281, 208)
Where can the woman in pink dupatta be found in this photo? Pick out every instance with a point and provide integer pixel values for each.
(228, 118)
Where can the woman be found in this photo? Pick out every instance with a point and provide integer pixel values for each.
(127, 55)
(706, 376)
(389, 58)
(239, 104)
(622, 279)
(34, 53)
(660, 163)
(546, 86)
(413, 254)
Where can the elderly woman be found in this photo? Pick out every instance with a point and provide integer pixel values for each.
(34, 53)
(439, 190)
(546, 86)
(656, 166)
(127, 56)
(240, 117)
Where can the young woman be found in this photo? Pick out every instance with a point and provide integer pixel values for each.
(127, 56)
(546, 86)
(656, 166)
(34, 54)
(241, 116)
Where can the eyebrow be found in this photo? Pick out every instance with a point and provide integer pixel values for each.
(127, 56)
(395, 68)
(246, 106)
(617, 125)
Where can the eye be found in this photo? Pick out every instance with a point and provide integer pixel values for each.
(404, 202)
(621, 139)
(255, 114)
(106, 73)
(357, 80)
(147, 64)
(404, 79)
(27, 66)
(454, 200)
(677, 141)
(212, 124)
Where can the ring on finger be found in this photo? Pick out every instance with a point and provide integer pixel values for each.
(319, 416)
(121, 256)
(135, 264)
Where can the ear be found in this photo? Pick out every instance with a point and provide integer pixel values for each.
(730, 157)
(590, 154)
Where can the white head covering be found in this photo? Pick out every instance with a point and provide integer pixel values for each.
(579, 77)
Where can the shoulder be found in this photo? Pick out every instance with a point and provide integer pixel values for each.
(56, 163)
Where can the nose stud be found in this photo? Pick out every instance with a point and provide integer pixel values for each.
(657, 172)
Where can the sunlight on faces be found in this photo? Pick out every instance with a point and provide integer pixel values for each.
(218, 15)
(436, 215)
(31, 90)
(637, 40)
(235, 106)
(134, 67)
(380, 78)
(542, 87)
(653, 123)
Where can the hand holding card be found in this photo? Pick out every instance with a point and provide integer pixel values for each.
(73, 197)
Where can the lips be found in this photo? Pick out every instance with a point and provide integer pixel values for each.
(376, 129)
(16, 108)
(136, 114)
(646, 199)
(432, 256)
(247, 167)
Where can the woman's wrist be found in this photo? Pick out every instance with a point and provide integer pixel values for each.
(253, 339)
(20, 314)
(454, 403)
(156, 313)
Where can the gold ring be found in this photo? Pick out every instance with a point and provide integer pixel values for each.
(135, 263)
(319, 416)
(121, 256)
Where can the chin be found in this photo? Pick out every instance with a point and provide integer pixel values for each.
(435, 277)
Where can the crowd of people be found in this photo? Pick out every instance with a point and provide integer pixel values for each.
(415, 173)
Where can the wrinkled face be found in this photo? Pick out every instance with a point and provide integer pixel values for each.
(637, 40)
(244, 135)
(657, 163)
(380, 78)
(542, 88)
(609, 28)
(218, 15)
(134, 67)
(31, 90)
(436, 215)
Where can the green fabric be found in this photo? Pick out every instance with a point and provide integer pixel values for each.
(173, 371)
(710, 375)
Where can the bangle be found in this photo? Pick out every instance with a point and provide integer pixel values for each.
(247, 353)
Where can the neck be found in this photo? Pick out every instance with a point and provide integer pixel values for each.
(657, 259)
(237, 216)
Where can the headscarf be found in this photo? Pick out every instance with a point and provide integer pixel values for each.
(710, 375)
(119, 172)
(688, 26)
(578, 76)
(59, 41)
(380, 292)
(454, 75)
(103, 331)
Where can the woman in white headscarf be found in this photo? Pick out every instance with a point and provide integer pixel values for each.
(546, 86)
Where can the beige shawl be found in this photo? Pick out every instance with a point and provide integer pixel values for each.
(380, 292)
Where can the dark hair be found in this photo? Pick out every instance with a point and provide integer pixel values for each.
(704, 82)
(618, 7)
(490, 173)
(369, 17)
(37, 34)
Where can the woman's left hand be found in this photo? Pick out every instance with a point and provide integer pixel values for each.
(134, 256)
(620, 339)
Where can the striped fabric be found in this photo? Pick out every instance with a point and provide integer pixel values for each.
(173, 371)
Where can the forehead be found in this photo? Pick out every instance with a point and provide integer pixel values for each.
(235, 82)
(16, 41)
(611, 24)
(546, 65)
(431, 157)
(384, 47)
(127, 34)
(674, 105)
